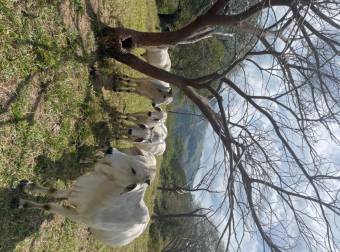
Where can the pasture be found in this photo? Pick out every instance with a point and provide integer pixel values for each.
(52, 115)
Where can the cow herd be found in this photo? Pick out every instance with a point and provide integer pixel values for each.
(110, 199)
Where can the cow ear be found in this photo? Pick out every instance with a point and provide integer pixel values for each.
(129, 188)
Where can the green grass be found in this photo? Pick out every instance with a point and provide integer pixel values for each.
(50, 115)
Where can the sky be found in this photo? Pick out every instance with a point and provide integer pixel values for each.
(325, 147)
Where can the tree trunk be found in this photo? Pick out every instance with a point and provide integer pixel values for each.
(123, 39)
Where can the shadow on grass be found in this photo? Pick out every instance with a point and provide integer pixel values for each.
(66, 169)
(13, 98)
(36, 102)
(68, 53)
(17, 224)
(114, 119)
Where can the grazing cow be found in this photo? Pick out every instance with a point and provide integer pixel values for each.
(158, 57)
(135, 133)
(150, 118)
(157, 145)
(159, 92)
(109, 200)
(147, 135)
(156, 148)
(160, 131)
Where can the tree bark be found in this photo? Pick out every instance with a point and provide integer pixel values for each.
(123, 39)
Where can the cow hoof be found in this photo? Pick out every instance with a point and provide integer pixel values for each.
(15, 203)
(23, 184)
(114, 85)
(92, 71)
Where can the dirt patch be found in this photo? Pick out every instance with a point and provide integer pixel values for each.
(76, 18)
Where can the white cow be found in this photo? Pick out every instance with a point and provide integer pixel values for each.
(143, 134)
(108, 200)
(159, 92)
(135, 133)
(159, 132)
(158, 57)
(157, 148)
(157, 145)
(149, 118)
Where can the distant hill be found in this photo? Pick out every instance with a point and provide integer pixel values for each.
(190, 129)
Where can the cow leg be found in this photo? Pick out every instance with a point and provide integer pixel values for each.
(122, 127)
(127, 116)
(122, 83)
(121, 134)
(129, 80)
(66, 211)
(138, 80)
(122, 115)
(26, 185)
(125, 89)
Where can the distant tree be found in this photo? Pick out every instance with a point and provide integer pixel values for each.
(191, 231)
(196, 235)
(277, 183)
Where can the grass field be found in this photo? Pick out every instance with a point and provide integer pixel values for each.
(50, 114)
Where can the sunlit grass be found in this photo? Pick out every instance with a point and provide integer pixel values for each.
(50, 116)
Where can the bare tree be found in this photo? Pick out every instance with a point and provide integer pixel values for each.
(277, 183)
(186, 189)
(199, 212)
(195, 235)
